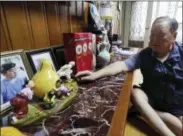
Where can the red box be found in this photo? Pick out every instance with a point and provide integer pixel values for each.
(78, 48)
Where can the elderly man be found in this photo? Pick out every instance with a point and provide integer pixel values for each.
(159, 98)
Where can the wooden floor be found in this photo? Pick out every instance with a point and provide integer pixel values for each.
(138, 127)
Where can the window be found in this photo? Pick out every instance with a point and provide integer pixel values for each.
(171, 9)
(138, 21)
(139, 18)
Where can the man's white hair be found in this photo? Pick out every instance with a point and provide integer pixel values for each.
(171, 22)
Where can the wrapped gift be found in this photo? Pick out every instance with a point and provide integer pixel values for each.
(78, 48)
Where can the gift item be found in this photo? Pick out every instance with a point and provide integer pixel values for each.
(27, 92)
(103, 58)
(49, 106)
(78, 48)
(45, 79)
(19, 105)
(64, 90)
(61, 90)
(49, 100)
(66, 70)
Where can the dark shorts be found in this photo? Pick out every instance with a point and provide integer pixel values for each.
(162, 106)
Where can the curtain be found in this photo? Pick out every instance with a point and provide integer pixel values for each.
(138, 21)
(139, 15)
(171, 9)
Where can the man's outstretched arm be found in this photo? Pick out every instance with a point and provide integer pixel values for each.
(112, 69)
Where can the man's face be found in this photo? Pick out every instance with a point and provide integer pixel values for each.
(161, 39)
(11, 73)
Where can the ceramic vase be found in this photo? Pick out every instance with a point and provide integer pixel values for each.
(45, 79)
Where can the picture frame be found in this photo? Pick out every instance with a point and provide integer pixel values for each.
(18, 56)
(35, 56)
(22, 72)
(58, 51)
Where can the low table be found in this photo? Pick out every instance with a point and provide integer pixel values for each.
(119, 118)
(100, 109)
(91, 113)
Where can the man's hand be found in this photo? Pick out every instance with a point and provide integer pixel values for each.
(86, 76)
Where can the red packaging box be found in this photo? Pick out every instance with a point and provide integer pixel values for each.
(78, 48)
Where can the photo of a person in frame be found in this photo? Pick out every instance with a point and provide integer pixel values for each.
(11, 84)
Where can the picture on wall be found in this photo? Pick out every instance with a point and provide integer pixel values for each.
(36, 56)
(15, 73)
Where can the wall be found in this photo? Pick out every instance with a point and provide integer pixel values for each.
(32, 25)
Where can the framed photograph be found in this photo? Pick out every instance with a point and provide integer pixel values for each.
(58, 52)
(35, 57)
(15, 73)
(19, 59)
